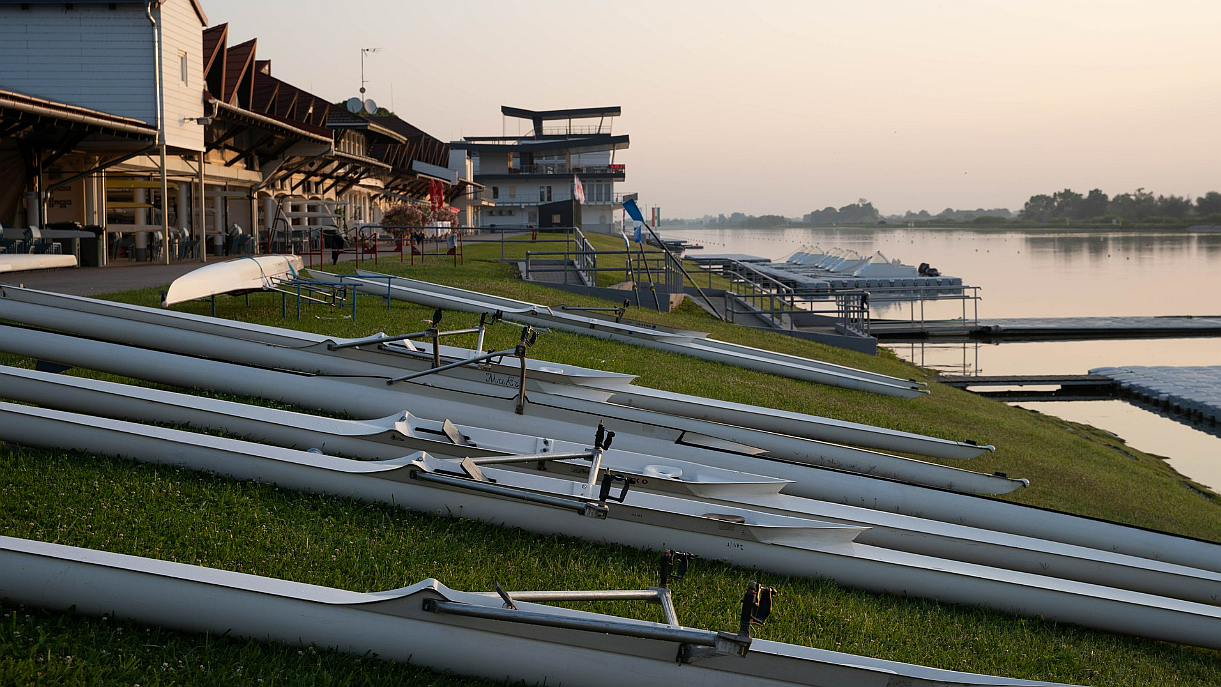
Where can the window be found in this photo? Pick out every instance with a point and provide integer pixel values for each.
(183, 68)
(544, 194)
(495, 192)
(512, 192)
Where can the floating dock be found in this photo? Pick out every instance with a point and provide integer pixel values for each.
(1194, 391)
(1048, 328)
(1191, 395)
(1011, 388)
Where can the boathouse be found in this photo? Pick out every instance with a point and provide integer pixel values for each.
(168, 143)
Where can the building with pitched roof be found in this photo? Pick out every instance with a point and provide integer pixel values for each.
(177, 142)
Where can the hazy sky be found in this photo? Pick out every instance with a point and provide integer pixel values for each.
(786, 107)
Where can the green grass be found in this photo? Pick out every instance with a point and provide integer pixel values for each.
(112, 504)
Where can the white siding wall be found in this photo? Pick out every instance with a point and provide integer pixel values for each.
(493, 162)
(89, 56)
(182, 33)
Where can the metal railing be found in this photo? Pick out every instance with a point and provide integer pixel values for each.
(852, 304)
(565, 168)
(755, 293)
(583, 130)
(852, 311)
(579, 257)
(924, 294)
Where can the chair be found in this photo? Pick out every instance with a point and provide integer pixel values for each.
(188, 248)
(125, 246)
(43, 247)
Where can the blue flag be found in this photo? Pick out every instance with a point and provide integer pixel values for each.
(632, 210)
(634, 213)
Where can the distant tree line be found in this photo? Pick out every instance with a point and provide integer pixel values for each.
(1095, 207)
(860, 211)
(736, 219)
(976, 216)
(1137, 206)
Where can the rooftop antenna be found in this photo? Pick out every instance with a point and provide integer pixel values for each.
(362, 68)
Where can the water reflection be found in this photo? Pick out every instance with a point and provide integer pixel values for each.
(1048, 273)
(1031, 273)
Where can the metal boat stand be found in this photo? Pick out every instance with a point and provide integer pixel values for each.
(469, 476)
(528, 338)
(619, 312)
(694, 644)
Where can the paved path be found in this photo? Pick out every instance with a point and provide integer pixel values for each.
(126, 276)
(92, 281)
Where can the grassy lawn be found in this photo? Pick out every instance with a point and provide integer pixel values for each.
(115, 505)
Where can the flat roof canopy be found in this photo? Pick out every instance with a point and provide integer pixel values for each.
(552, 115)
(574, 144)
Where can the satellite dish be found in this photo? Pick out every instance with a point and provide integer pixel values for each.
(353, 105)
(370, 106)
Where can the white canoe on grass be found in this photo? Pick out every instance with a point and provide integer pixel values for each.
(40, 308)
(372, 399)
(561, 415)
(243, 275)
(393, 625)
(696, 344)
(743, 537)
(394, 436)
(25, 262)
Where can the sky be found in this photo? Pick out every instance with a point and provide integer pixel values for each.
(771, 107)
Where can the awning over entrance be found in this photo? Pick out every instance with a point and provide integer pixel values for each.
(35, 133)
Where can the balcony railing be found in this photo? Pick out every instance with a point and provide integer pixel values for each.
(582, 130)
(563, 168)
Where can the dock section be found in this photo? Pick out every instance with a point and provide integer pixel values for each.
(1012, 388)
(1048, 328)
(1194, 391)
(1191, 395)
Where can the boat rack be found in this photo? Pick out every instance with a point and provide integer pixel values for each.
(694, 644)
(311, 292)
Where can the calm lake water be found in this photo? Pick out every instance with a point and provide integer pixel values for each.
(1048, 273)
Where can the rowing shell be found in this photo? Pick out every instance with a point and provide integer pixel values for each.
(393, 625)
(243, 275)
(696, 344)
(391, 437)
(114, 322)
(748, 538)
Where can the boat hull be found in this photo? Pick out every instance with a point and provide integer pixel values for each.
(394, 436)
(245, 274)
(788, 546)
(555, 378)
(434, 295)
(392, 625)
(26, 262)
(561, 413)
(376, 399)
